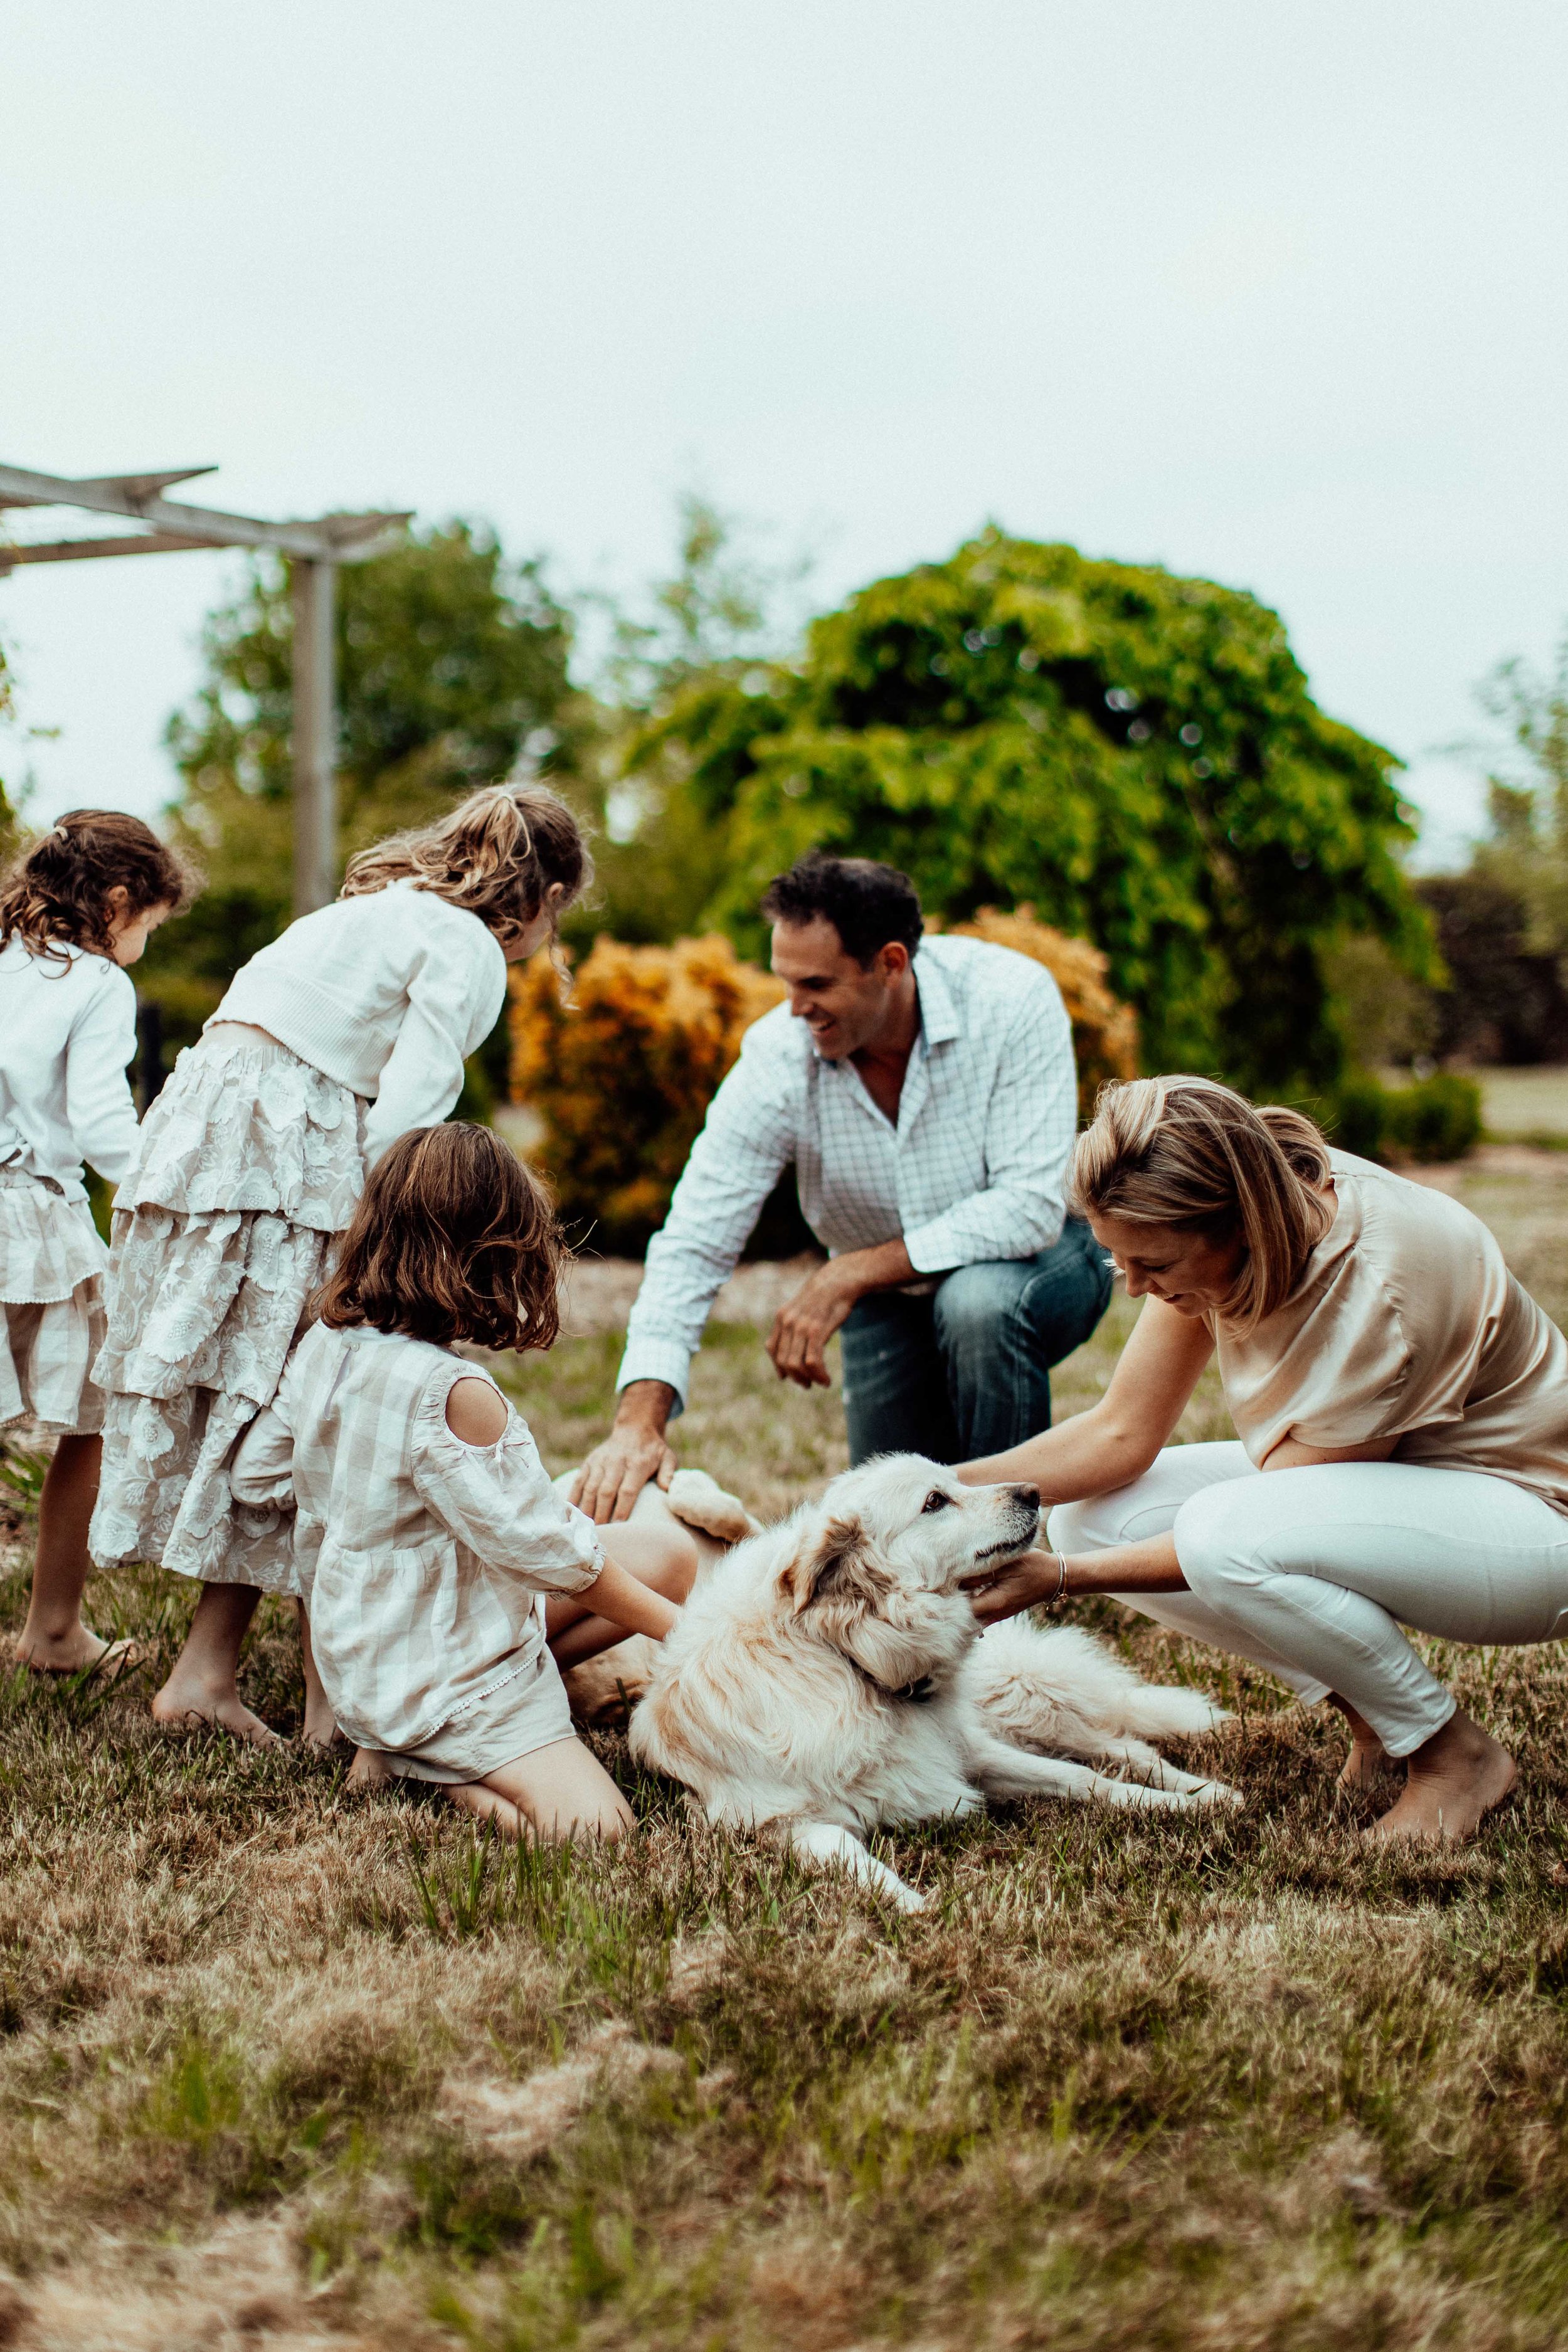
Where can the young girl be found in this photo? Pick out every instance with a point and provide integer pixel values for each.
(441, 1568)
(339, 1037)
(74, 912)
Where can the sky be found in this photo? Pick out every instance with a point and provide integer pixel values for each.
(1270, 295)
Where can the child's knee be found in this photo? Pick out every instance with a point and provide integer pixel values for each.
(680, 1573)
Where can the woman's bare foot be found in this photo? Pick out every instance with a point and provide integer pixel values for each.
(368, 1771)
(1454, 1782)
(75, 1652)
(1368, 1758)
(184, 1704)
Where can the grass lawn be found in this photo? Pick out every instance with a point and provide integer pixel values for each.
(280, 2068)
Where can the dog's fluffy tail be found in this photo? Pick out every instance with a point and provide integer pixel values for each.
(1057, 1688)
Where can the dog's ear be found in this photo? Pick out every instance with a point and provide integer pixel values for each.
(835, 1562)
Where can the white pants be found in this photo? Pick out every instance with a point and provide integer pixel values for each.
(1309, 1573)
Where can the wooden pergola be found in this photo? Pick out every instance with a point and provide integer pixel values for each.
(314, 551)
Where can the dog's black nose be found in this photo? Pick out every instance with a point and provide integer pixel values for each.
(1031, 1495)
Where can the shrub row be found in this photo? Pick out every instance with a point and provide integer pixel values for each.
(1436, 1119)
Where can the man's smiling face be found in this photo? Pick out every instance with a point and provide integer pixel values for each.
(846, 1006)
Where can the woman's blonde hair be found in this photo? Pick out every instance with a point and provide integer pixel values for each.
(1189, 1152)
(500, 854)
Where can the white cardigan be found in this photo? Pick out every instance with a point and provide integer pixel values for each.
(66, 1031)
(388, 993)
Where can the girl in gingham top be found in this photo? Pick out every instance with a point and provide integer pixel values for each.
(447, 1580)
(76, 910)
(346, 1032)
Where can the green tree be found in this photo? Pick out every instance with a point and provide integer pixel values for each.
(1134, 754)
(722, 613)
(1527, 851)
(451, 666)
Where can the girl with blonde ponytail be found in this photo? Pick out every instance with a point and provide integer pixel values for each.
(1406, 1401)
(349, 1030)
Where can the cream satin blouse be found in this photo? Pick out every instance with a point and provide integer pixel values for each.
(1406, 1324)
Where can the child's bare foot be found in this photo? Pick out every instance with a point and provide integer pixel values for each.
(184, 1703)
(368, 1771)
(74, 1653)
(320, 1723)
(1454, 1782)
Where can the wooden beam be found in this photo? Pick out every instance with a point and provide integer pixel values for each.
(332, 538)
(75, 551)
(135, 486)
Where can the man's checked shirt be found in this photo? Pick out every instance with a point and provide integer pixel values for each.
(975, 1169)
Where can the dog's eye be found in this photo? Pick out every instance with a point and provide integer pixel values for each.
(936, 1501)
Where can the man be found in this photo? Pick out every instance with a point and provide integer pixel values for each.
(925, 1093)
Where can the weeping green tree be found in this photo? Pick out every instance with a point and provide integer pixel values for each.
(1134, 754)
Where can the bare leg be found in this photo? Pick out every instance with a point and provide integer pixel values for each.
(202, 1688)
(1454, 1781)
(1368, 1757)
(320, 1725)
(662, 1556)
(368, 1771)
(54, 1640)
(559, 1791)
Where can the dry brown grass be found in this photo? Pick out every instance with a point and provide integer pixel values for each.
(282, 2067)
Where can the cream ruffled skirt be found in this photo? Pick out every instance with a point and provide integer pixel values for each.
(51, 1291)
(250, 1162)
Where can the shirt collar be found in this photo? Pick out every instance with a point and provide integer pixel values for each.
(938, 1018)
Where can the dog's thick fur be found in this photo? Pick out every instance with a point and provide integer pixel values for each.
(828, 1677)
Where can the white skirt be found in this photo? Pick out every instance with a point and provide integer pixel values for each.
(250, 1162)
(52, 1266)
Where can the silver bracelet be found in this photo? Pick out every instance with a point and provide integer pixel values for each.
(1059, 1594)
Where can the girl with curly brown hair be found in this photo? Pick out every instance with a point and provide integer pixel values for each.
(76, 910)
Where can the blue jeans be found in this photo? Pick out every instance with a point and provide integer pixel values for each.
(967, 1370)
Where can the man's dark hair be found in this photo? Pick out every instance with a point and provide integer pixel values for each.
(867, 904)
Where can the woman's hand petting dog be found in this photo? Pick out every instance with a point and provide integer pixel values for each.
(1019, 1584)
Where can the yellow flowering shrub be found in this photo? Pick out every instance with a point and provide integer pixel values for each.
(621, 1076)
(1104, 1030)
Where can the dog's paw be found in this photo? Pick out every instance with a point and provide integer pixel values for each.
(1217, 1792)
(702, 1503)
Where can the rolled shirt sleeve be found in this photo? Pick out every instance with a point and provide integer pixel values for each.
(1030, 1122)
(747, 1141)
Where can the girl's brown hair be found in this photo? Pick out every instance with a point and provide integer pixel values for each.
(453, 1239)
(58, 892)
(1188, 1152)
(500, 854)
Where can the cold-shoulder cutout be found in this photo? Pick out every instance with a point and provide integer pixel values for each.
(476, 1411)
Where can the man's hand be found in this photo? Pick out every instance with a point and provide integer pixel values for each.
(1015, 1586)
(804, 1326)
(616, 1473)
(803, 1329)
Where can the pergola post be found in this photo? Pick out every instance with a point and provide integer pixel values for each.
(314, 551)
(312, 586)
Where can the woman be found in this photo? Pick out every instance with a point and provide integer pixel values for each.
(1405, 1401)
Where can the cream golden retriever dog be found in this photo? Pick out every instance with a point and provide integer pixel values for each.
(828, 1677)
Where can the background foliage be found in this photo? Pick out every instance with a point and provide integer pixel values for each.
(621, 1078)
(1135, 754)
